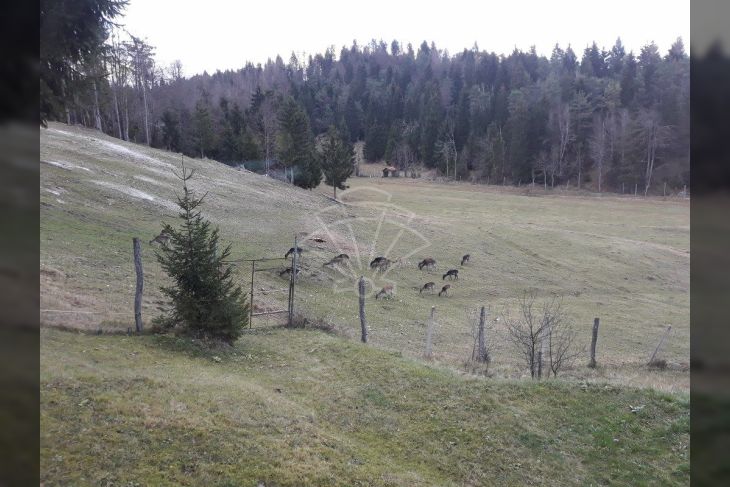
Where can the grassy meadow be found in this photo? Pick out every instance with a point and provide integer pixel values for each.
(302, 407)
(294, 407)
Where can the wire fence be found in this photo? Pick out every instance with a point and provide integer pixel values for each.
(322, 289)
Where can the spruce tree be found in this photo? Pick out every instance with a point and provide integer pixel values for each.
(295, 145)
(249, 147)
(203, 126)
(337, 161)
(205, 301)
(309, 173)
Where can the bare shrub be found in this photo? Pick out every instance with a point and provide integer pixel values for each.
(542, 336)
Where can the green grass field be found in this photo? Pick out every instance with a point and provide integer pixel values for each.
(160, 410)
(301, 407)
(624, 260)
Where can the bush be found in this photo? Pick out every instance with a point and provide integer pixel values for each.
(205, 301)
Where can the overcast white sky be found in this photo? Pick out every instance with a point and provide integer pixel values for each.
(219, 34)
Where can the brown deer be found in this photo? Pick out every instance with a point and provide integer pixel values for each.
(452, 273)
(427, 287)
(380, 263)
(298, 250)
(428, 263)
(339, 259)
(465, 259)
(445, 290)
(163, 238)
(386, 292)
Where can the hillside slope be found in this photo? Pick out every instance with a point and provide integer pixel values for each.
(300, 407)
(98, 192)
(625, 260)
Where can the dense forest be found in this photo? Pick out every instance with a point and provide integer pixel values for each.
(609, 120)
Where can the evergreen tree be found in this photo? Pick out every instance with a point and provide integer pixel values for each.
(249, 147)
(295, 146)
(205, 300)
(517, 130)
(171, 131)
(71, 33)
(337, 161)
(203, 126)
(628, 80)
(308, 174)
(376, 141)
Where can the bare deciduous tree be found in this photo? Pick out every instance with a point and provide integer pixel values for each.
(405, 157)
(654, 136)
(541, 335)
(598, 144)
(446, 147)
(142, 64)
(560, 338)
(560, 120)
(176, 70)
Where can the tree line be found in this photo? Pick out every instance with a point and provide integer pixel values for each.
(605, 119)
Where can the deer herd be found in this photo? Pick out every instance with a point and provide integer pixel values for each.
(383, 263)
(378, 264)
(428, 263)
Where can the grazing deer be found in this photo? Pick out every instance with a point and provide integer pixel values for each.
(428, 263)
(465, 259)
(163, 238)
(287, 272)
(380, 263)
(427, 287)
(339, 259)
(445, 290)
(292, 250)
(386, 292)
(452, 273)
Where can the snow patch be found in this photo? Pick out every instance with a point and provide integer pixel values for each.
(149, 180)
(120, 149)
(135, 193)
(64, 132)
(67, 165)
(57, 191)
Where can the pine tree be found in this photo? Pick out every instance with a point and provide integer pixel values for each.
(249, 146)
(203, 126)
(205, 300)
(337, 160)
(171, 130)
(309, 173)
(295, 145)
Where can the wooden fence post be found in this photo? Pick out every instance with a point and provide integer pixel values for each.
(429, 333)
(363, 323)
(140, 284)
(250, 304)
(292, 281)
(594, 340)
(659, 345)
(482, 355)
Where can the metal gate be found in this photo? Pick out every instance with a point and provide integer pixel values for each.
(290, 288)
